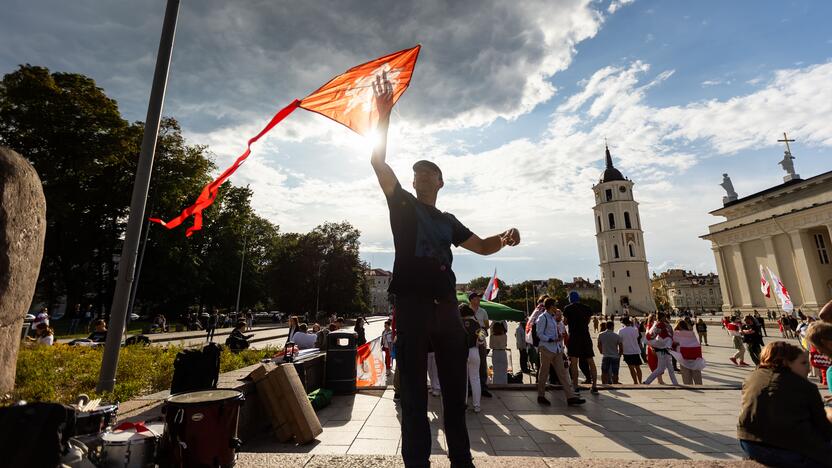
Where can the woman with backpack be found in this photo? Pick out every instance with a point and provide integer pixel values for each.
(474, 338)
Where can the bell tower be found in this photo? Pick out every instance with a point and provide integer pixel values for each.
(625, 281)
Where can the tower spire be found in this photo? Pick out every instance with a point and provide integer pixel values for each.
(609, 156)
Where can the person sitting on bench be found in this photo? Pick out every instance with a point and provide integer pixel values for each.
(236, 341)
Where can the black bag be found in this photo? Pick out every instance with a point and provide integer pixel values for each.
(34, 434)
(195, 370)
(516, 377)
(137, 339)
(535, 338)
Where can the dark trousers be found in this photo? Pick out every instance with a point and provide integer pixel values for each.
(421, 322)
(774, 456)
(210, 336)
(483, 367)
(524, 361)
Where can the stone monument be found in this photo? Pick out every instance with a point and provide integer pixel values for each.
(731, 195)
(787, 163)
(22, 231)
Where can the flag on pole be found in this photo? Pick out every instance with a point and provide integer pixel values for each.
(370, 370)
(781, 291)
(493, 288)
(346, 99)
(765, 287)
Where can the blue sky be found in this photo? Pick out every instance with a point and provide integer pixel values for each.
(512, 100)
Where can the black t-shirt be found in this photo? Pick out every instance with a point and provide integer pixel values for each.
(577, 317)
(423, 236)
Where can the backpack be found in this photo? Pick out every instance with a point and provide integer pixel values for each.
(535, 338)
(195, 370)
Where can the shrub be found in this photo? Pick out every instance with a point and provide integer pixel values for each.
(60, 373)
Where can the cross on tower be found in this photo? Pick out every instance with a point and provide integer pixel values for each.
(786, 141)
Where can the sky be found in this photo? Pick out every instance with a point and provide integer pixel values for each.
(514, 101)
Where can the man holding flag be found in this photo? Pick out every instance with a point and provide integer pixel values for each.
(424, 285)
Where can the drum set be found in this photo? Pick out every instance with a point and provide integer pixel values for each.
(198, 429)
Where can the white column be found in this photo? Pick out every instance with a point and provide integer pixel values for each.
(771, 262)
(805, 279)
(742, 277)
(724, 281)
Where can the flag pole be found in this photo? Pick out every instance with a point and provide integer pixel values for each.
(129, 251)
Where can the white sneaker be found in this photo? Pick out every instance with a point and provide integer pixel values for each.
(435, 392)
(477, 409)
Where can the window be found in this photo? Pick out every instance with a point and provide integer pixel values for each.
(823, 255)
(627, 223)
(608, 193)
(613, 273)
(599, 225)
(632, 252)
(615, 250)
(611, 217)
(614, 290)
(628, 273)
(630, 288)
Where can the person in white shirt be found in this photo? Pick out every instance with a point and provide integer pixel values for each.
(552, 331)
(43, 335)
(482, 318)
(302, 339)
(520, 338)
(632, 351)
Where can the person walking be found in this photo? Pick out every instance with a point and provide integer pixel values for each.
(752, 338)
(482, 318)
(552, 333)
(595, 323)
(473, 336)
(660, 338)
(75, 320)
(611, 348)
(387, 345)
(211, 325)
(577, 317)
(426, 305)
(433, 374)
(734, 330)
(520, 342)
(498, 342)
(630, 348)
(702, 331)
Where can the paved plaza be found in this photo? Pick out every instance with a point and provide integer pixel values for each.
(623, 422)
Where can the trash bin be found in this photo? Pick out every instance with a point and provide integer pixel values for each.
(340, 362)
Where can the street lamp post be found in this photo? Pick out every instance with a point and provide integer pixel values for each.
(129, 252)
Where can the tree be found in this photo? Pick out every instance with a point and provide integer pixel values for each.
(82, 149)
(479, 284)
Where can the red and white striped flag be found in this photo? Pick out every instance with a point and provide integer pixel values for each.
(765, 287)
(781, 291)
(493, 288)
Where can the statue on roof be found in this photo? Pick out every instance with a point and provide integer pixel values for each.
(787, 163)
(731, 195)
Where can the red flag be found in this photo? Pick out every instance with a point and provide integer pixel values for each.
(346, 99)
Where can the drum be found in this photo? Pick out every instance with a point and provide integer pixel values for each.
(130, 448)
(201, 428)
(93, 422)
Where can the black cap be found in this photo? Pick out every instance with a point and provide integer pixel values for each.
(425, 164)
(473, 295)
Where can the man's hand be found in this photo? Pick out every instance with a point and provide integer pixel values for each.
(510, 237)
(383, 94)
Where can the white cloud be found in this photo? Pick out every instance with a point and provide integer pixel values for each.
(615, 5)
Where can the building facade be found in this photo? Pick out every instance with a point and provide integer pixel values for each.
(378, 281)
(680, 290)
(585, 288)
(625, 281)
(786, 228)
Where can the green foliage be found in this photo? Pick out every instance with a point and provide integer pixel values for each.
(60, 373)
(479, 284)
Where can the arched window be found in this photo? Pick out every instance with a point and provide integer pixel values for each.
(632, 252)
(612, 220)
(615, 250)
(599, 225)
(627, 223)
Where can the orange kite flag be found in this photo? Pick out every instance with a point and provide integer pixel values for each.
(346, 99)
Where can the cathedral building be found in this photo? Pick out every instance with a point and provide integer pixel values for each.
(787, 229)
(625, 282)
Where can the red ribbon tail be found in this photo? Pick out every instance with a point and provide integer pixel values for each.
(210, 191)
(138, 426)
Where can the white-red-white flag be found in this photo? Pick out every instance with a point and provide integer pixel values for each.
(493, 288)
(781, 291)
(765, 287)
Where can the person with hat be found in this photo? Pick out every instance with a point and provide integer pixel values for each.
(425, 289)
(480, 314)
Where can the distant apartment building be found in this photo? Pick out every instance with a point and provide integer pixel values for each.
(584, 287)
(677, 289)
(378, 281)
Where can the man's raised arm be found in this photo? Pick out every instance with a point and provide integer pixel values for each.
(492, 244)
(383, 98)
